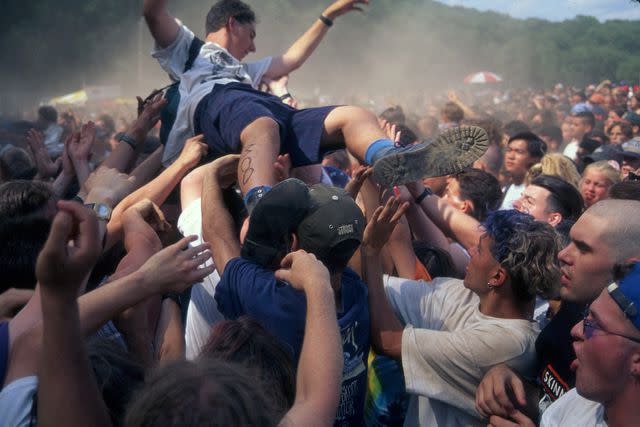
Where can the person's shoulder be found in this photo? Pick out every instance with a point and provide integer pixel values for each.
(243, 266)
(573, 409)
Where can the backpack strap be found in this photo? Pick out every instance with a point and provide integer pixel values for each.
(172, 95)
(194, 50)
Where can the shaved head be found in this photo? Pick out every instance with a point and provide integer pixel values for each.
(622, 235)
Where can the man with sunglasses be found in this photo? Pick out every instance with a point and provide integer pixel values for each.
(605, 235)
(607, 364)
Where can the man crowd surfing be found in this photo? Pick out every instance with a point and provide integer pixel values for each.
(232, 257)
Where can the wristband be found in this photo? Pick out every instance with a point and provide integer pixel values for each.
(326, 21)
(285, 96)
(129, 140)
(426, 192)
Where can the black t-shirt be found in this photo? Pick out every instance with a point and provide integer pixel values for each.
(555, 353)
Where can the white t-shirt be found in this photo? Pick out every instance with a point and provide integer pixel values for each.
(203, 312)
(573, 410)
(448, 346)
(214, 65)
(513, 193)
(571, 150)
(16, 402)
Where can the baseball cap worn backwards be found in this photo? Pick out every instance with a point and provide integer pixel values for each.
(626, 294)
(334, 225)
(272, 221)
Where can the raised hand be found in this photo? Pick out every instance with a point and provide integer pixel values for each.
(71, 250)
(150, 113)
(390, 129)
(82, 142)
(67, 163)
(301, 269)
(147, 211)
(225, 170)
(282, 166)
(176, 267)
(46, 168)
(278, 87)
(193, 151)
(342, 7)
(359, 177)
(382, 223)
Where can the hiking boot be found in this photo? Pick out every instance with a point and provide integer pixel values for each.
(276, 215)
(452, 151)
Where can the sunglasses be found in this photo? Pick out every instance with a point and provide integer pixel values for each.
(589, 326)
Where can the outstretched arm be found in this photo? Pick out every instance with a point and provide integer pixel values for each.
(300, 51)
(217, 224)
(386, 329)
(162, 25)
(63, 363)
(464, 228)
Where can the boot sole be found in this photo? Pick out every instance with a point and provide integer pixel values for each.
(451, 152)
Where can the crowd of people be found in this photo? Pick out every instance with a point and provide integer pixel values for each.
(227, 257)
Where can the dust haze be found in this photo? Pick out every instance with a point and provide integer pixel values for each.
(374, 58)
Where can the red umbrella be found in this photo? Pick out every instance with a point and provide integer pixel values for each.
(483, 77)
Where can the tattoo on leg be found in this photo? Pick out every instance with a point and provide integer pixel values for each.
(246, 165)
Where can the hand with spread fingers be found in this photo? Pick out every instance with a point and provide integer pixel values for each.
(382, 223)
(360, 175)
(391, 130)
(71, 250)
(176, 267)
(81, 144)
(150, 113)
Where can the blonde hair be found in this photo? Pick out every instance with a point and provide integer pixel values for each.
(555, 164)
(611, 174)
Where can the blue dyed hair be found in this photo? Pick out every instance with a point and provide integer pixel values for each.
(527, 249)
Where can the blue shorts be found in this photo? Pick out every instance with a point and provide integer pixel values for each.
(223, 114)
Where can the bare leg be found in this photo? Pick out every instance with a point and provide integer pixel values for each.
(450, 152)
(353, 127)
(260, 147)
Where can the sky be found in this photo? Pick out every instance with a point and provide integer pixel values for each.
(556, 10)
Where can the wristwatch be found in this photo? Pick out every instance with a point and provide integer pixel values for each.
(102, 211)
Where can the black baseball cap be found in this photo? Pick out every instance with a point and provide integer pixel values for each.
(334, 225)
